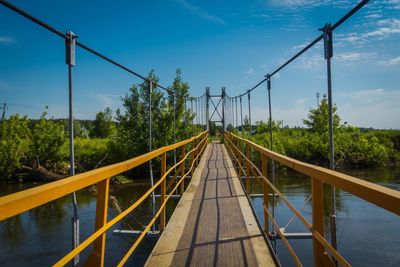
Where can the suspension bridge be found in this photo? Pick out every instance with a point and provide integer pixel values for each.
(214, 222)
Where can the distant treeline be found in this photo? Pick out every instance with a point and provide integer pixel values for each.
(31, 149)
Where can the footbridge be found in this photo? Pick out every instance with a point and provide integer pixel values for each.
(214, 222)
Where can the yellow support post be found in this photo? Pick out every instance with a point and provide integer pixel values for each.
(163, 190)
(192, 155)
(317, 218)
(239, 146)
(182, 186)
(96, 257)
(196, 153)
(248, 169)
(265, 192)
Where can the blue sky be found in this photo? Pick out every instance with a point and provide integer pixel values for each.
(215, 43)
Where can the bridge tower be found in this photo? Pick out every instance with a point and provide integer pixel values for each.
(222, 102)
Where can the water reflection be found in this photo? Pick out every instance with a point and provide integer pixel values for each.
(43, 235)
(361, 226)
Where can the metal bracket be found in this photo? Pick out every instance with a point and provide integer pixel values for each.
(328, 42)
(70, 44)
(268, 76)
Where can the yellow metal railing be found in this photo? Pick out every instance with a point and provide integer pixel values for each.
(17, 203)
(384, 197)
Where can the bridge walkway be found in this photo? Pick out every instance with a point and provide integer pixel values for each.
(213, 224)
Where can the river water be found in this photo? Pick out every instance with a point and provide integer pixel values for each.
(367, 235)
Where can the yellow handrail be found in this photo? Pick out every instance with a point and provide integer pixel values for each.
(384, 197)
(17, 203)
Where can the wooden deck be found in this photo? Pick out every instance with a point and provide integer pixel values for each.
(213, 224)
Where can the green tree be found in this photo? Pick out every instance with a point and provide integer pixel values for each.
(318, 118)
(48, 138)
(103, 125)
(15, 138)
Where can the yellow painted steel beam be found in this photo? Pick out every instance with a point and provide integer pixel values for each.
(287, 244)
(381, 196)
(322, 256)
(17, 203)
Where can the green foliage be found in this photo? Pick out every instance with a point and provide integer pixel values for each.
(91, 153)
(103, 126)
(318, 118)
(352, 146)
(48, 137)
(14, 144)
(132, 134)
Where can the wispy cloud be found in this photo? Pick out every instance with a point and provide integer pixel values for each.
(7, 40)
(384, 28)
(250, 71)
(201, 12)
(312, 3)
(390, 62)
(345, 59)
(377, 103)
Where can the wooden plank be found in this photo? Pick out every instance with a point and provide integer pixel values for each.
(209, 226)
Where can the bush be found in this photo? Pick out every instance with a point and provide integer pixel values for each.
(91, 153)
(14, 145)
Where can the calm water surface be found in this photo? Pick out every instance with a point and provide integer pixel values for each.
(367, 235)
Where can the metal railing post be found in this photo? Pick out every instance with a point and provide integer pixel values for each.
(70, 43)
(183, 165)
(328, 54)
(241, 114)
(153, 197)
(192, 157)
(248, 97)
(236, 111)
(196, 153)
(223, 95)
(174, 126)
(240, 159)
(271, 146)
(192, 114)
(208, 107)
(265, 192)
(248, 168)
(163, 190)
(317, 218)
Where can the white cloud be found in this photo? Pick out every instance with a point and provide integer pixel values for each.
(250, 71)
(7, 40)
(373, 16)
(201, 12)
(354, 56)
(390, 61)
(384, 28)
(376, 108)
(369, 96)
(311, 3)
